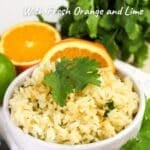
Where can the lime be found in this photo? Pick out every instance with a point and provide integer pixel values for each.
(7, 74)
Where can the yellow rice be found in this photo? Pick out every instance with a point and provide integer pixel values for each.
(83, 119)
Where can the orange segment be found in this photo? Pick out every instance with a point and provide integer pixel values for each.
(26, 43)
(75, 52)
(72, 48)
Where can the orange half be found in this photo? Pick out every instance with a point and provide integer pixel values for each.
(71, 48)
(26, 43)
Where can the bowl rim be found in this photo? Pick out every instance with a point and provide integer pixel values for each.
(118, 136)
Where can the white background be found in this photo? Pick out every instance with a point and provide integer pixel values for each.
(13, 11)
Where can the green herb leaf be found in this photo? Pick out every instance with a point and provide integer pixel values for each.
(107, 22)
(141, 142)
(109, 42)
(41, 19)
(130, 2)
(92, 23)
(141, 55)
(108, 107)
(65, 22)
(59, 91)
(78, 29)
(129, 28)
(133, 30)
(146, 16)
(86, 4)
(71, 75)
(147, 34)
(101, 4)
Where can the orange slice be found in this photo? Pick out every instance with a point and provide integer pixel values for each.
(26, 43)
(71, 48)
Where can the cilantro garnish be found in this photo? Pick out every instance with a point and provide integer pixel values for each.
(123, 35)
(109, 107)
(71, 75)
(141, 142)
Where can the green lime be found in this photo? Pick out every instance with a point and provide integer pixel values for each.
(7, 74)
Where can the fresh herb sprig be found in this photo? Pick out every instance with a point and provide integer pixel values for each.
(109, 106)
(141, 142)
(123, 36)
(72, 76)
(41, 19)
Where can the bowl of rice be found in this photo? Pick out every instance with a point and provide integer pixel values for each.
(100, 117)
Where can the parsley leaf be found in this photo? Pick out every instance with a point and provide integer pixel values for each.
(71, 75)
(141, 142)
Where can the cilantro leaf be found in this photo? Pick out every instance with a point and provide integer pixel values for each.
(109, 107)
(83, 72)
(86, 4)
(131, 28)
(78, 29)
(60, 87)
(92, 23)
(71, 75)
(41, 19)
(109, 42)
(141, 55)
(147, 34)
(54, 80)
(130, 2)
(107, 22)
(65, 22)
(146, 16)
(141, 142)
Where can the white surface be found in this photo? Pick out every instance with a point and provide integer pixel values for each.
(141, 77)
(26, 142)
(4, 132)
(146, 66)
(14, 11)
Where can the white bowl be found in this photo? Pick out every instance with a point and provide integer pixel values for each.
(27, 142)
